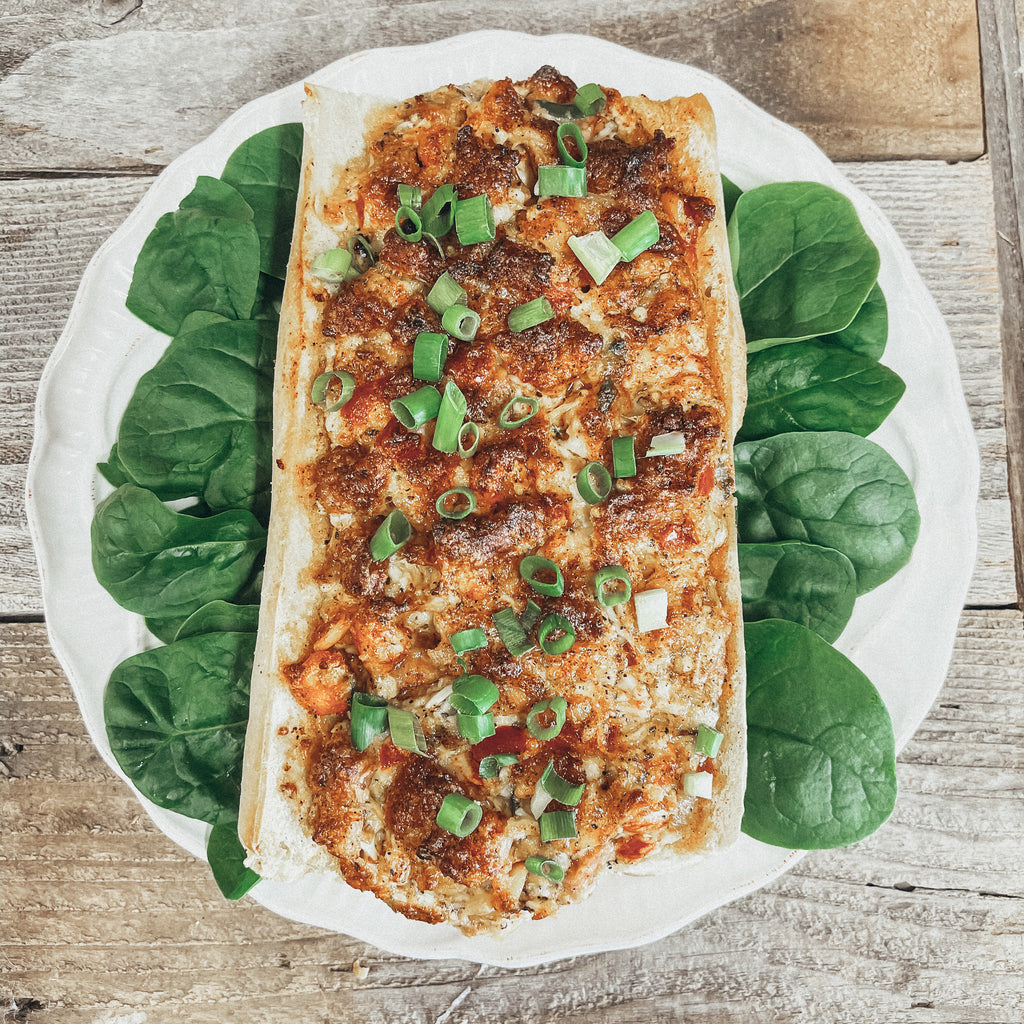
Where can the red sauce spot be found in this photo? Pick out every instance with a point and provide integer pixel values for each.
(633, 849)
(391, 755)
(363, 398)
(507, 739)
(706, 480)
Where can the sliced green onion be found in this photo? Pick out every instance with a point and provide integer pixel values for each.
(473, 639)
(491, 765)
(408, 224)
(558, 110)
(531, 565)
(362, 244)
(512, 634)
(333, 266)
(474, 220)
(555, 623)
(459, 815)
(530, 617)
(597, 252)
(672, 443)
(506, 418)
(573, 130)
(552, 706)
(475, 728)
(529, 314)
(639, 234)
(449, 418)
(410, 195)
(708, 741)
(429, 351)
(594, 483)
(472, 431)
(610, 574)
(651, 608)
(369, 718)
(561, 789)
(438, 212)
(589, 99)
(318, 392)
(560, 180)
(698, 784)
(544, 866)
(623, 457)
(392, 534)
(473, 695)
(414, 410)
(446, 292)
(406, 731)
(557, 825)
(461, 322)
(450, 507)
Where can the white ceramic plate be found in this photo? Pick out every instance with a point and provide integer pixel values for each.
(901, 634)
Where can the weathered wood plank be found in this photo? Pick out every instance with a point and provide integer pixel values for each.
(879, 78)
(921, 922)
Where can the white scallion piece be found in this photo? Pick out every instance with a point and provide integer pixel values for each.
(672, 443)
(651, 608)
(698, 784)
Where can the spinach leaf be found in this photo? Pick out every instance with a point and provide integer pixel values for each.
(113, 470)
(812, 385)
(199, 422)
(176, 719)
(802, 262)
(165, 627)
(220, 617)
(205, 255)
(830, 488)
(803, 583)
(226, 855)
(821, 761)
(869, 330)
(161, 563)
(265, 171)
(730, 192)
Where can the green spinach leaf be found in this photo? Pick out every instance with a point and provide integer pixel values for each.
(226, 855)
(203, 256)
(802, 262)
(220, 617)
(868, 332)
(730, 192)
(821, 768)
(812, 385)
(831, 488)
(804, 583)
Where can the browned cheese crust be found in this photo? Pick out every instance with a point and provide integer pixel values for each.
(655, 348)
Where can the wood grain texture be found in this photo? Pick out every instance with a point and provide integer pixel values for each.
(867, 79)
(922, 922)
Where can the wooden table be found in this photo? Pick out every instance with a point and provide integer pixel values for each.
(106, 920)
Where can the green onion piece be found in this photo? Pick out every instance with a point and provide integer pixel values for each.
(333, 266)
(511, 632)
(410, 195)
(623, 457)
(450, 507)
(475, 728)
(557, 825)
(449, 418)
(429, 351)
(555, 623)
(594, 483)
(359, 244)
(553, 705)
(609, 574)
(461, 322)
(459, 815)
(472, 431)
(474, 220)
(318, 393)
(446, 292)
(544, 866)
(698, 784)
(414, 410)
(473, 639)
(406, 731)
(408, 224)
(589, 99)
(560, 180)
(597, 252)
(531, 615)
(639, 234)
(369, 718)
(558, 110)
(531, 565)
(651, 608)
(561, 789)
(672, 443)
(438, 213)
(571, 129)
(473, 695)
(506, 418)
(708, 741)
(529, 314)
(392, 534)
(491, 765)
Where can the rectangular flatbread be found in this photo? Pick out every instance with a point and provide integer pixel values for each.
(523, 724)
